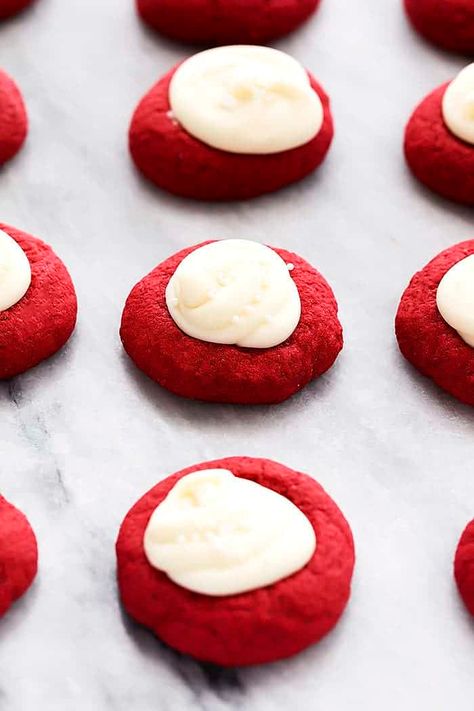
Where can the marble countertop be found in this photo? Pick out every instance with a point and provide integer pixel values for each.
(84, 435)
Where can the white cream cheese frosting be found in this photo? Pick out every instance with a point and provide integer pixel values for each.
(246, 99)
(218, 534)
(455, 298)
(234, 292)
(458, 105)
(15, 272)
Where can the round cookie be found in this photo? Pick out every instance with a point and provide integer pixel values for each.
(226, 22)
(13, 118)
(176, 161)
(424, 337)
(227, 373)
(448, 24)
(18, 555)
(464, 566)
(42, 321)
(439, 159)
(12, 7)
(254, 627)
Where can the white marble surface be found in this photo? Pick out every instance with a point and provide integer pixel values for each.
(84, 435)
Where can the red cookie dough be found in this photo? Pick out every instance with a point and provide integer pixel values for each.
(438, 158)
(464, 566)
(448, 24)
(225, 22)
(226, 373)
(259, 626)
(13, 118)
(12, 7)
(18, 555)
(174, 160)
(42, 321)
(424, 337)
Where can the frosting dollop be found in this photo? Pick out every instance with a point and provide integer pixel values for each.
(234, 291)
(218, 534)
(15, 272)
(458, 105)
(455, 298)
(246, 99)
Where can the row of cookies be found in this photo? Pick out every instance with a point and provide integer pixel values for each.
(449, 25)
(234, 320)
(236, 561)
(239, 121)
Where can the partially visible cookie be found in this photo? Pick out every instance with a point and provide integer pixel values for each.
(448, 24)
(18, 555)
(12, 7)
(425, 337)
(13, 118)
(209, 537)
(40, 317)
(439, 143)
(225, 22)
(464, 566)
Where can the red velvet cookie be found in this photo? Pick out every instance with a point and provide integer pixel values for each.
(464, 566)
(226, 22)
(448, 24)
(424, 337)
(254, 627)
(13, 118)
(12, 7)
(18, 555)
(174, 160)
(42, 321)
(440, 160)
(226, 373)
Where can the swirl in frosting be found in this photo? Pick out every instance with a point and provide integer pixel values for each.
(218, 534)
(246, 99)
(234, 292)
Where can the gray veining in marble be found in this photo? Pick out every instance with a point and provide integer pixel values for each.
(84, 435)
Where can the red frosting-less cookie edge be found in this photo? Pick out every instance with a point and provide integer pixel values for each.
(424, 337)
(177, 162)
(222, 373)
(42, 321)
(439, 159)
(18, 555)
(464, 567)
(13, 118)
(226, 22)
(13, 7)
(448, 24)
(259, 626)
